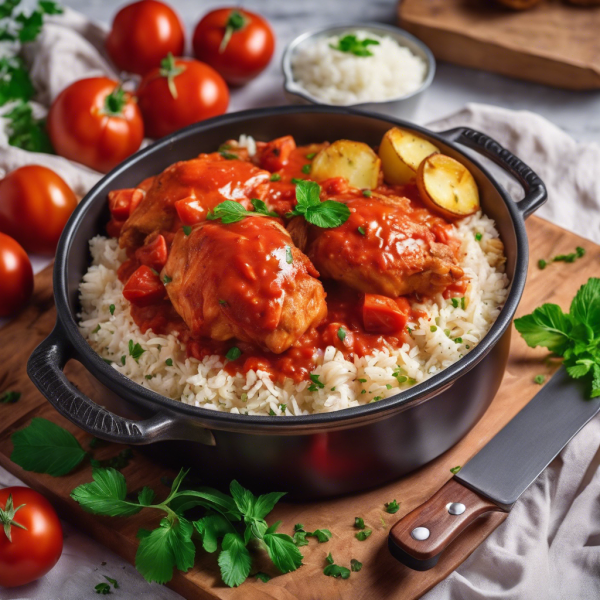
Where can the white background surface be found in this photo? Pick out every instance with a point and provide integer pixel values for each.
(578, 113)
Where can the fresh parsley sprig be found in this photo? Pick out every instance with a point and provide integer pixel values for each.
(352, 45)
(326, 214)
(234, 520)
(574, 335)
(232, 212)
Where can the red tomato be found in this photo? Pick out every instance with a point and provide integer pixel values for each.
(153, 254)
(35, 205)
(96, 123)
(190, 210)
(16, 276)
(276, 154)
(181, 92)
(384, 315)
(34, 550)
(142, 34)
(144, 287)
(123, 202)
(239, 44)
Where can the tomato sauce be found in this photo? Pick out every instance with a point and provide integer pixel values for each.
(343, 326)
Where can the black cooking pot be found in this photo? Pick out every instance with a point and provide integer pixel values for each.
(309, 456)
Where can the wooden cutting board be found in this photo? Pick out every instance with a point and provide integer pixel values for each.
(381, 577)
(553, 43)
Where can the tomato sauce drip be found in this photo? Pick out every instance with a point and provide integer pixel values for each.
(343, 326)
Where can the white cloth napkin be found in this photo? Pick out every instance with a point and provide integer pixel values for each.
(549, 547)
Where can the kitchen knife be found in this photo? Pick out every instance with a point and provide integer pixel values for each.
(498, 474)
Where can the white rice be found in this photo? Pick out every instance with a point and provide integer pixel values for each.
(347, 382)
(341, 78)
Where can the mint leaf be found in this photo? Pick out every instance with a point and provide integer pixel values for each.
(30, 26)
(322, 535)
(595, 382)
(392, 507)
(44, 447)
(355, 565)
(207, 497)
(243, 498)
(328, 214)
(283, 552)
(265, 504)
(263, 577)
(146, 496)
(585, 307)
(546, 326)
(211, 528)
(164, 548)
(334, 570)
(50, 8)
(228, 211)
(261, 208)
(106, 495)
(307, 194)
(234, 560)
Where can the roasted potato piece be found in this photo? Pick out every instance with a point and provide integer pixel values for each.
(354, 161)
(401, 154)
(447, 187)
(519, 4)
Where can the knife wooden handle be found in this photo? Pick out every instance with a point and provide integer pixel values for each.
(418, 538)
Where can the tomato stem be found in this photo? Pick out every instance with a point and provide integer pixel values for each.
(7, 517)
(115, 102)
(235, 22)
(170, 70)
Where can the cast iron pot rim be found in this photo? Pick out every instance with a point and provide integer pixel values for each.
(122, 385)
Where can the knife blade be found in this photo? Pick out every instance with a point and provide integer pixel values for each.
(498, 474)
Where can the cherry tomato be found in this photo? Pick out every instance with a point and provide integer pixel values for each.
(142, 34)
(36, 546)
(96, 123)
(237, 43)
(384, 315)
(181, 92)
(35, 205)
(144, 287)
(16, 277)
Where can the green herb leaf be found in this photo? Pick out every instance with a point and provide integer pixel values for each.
(283, 552)
(31, 25)
(135, 350)
(15, 83)
(260, 207)
(539, 379)
(263, 577)
(114, 582)
(316, 384)
(341, 333)
(51, 8)
(275, 177)
(542, 264)
(264, 504)
(167, 547)
(106, 495)
(300, 538)
(187, 229)
(546, 326)
(322, 535)
(455, 470)
(359, 523)
(306, 169)
(392, 507)
(329, 559)
(355, 565)
(326, 214)
(169, 362)
(25, 131)
(102, 588)
(9, 397)
(111, 309)
(333, 570)
(362, 231)
(367, 193)
(233, 353)
(44, 447)
(234, 560)
(361, 536)
(351, 45)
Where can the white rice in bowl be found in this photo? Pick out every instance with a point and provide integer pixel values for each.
(342, 78)
(436, 341)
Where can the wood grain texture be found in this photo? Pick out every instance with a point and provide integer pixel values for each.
(553, 43)
(443, 526)
(382, 577)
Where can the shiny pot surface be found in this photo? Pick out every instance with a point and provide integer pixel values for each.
(314, 455)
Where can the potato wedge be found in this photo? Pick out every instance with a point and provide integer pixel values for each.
(354, 161)
(401, 153)
(447, 187)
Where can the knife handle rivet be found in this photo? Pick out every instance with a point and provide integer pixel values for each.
(456, 508)
(420, 533)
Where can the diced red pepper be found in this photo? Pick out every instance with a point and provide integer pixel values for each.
(123, 202)
(144, 287)
(384, 315)
(113, 228)
(190, 211)
(153, 254)
(276, 153)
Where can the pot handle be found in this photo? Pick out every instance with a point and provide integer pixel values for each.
(535, 190)
(45, 369)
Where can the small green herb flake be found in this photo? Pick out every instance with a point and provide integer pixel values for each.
(169, 362)
(579, 251)
(283, 407)
(539, 379)
(463, 303)
(263, 577)
(433, 328)
(355, 565)
(392, 507)
(135, 350)
(458, 340)
(9, 397)
(311, 155)
(352, 45)
(306, 169)
(275, 177)
(167, 279)
(359, 523)
(341, 333)
(361, 536)
(123, 359)
(228, 155)
(233, 353)
(388, 386)
(114, 582)
(333, 570)
(455, 302)
(455, 470)
(542, 264)
(187, 229)
(316, 384)
(367, 193)
(362, 231)
(96, 329)
(103, 589)
(289, 258)
(478, 236)
(362, 380)
(111, 309)
(272, 413)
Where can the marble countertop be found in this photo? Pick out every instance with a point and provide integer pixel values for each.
(578, 113)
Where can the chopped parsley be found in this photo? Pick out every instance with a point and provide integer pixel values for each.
(306, 169)
(341, 333)
(362, 231)
(361, 536)
(458, 340)
(388, 386)
(311, 155)
(567, 258)
(263, 577)
(272, 413)
(233, 353)
(362, 380)
(135, 351)
(359, 523)
(542, 264)
(228, 155)
(355, 565)
(187, 229)
(289, 259)
(392, 507)
(169, 362)
(433, 328)
(367, 193)
(316, 384)
(167, 279)
(455, 302)
(102, 588)
(283, 407)
(478, 236)
(352, 45)
(111, 309)
(123, 359)
(9, 397)
(539, 379)
(455, 470)
(275, 177)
